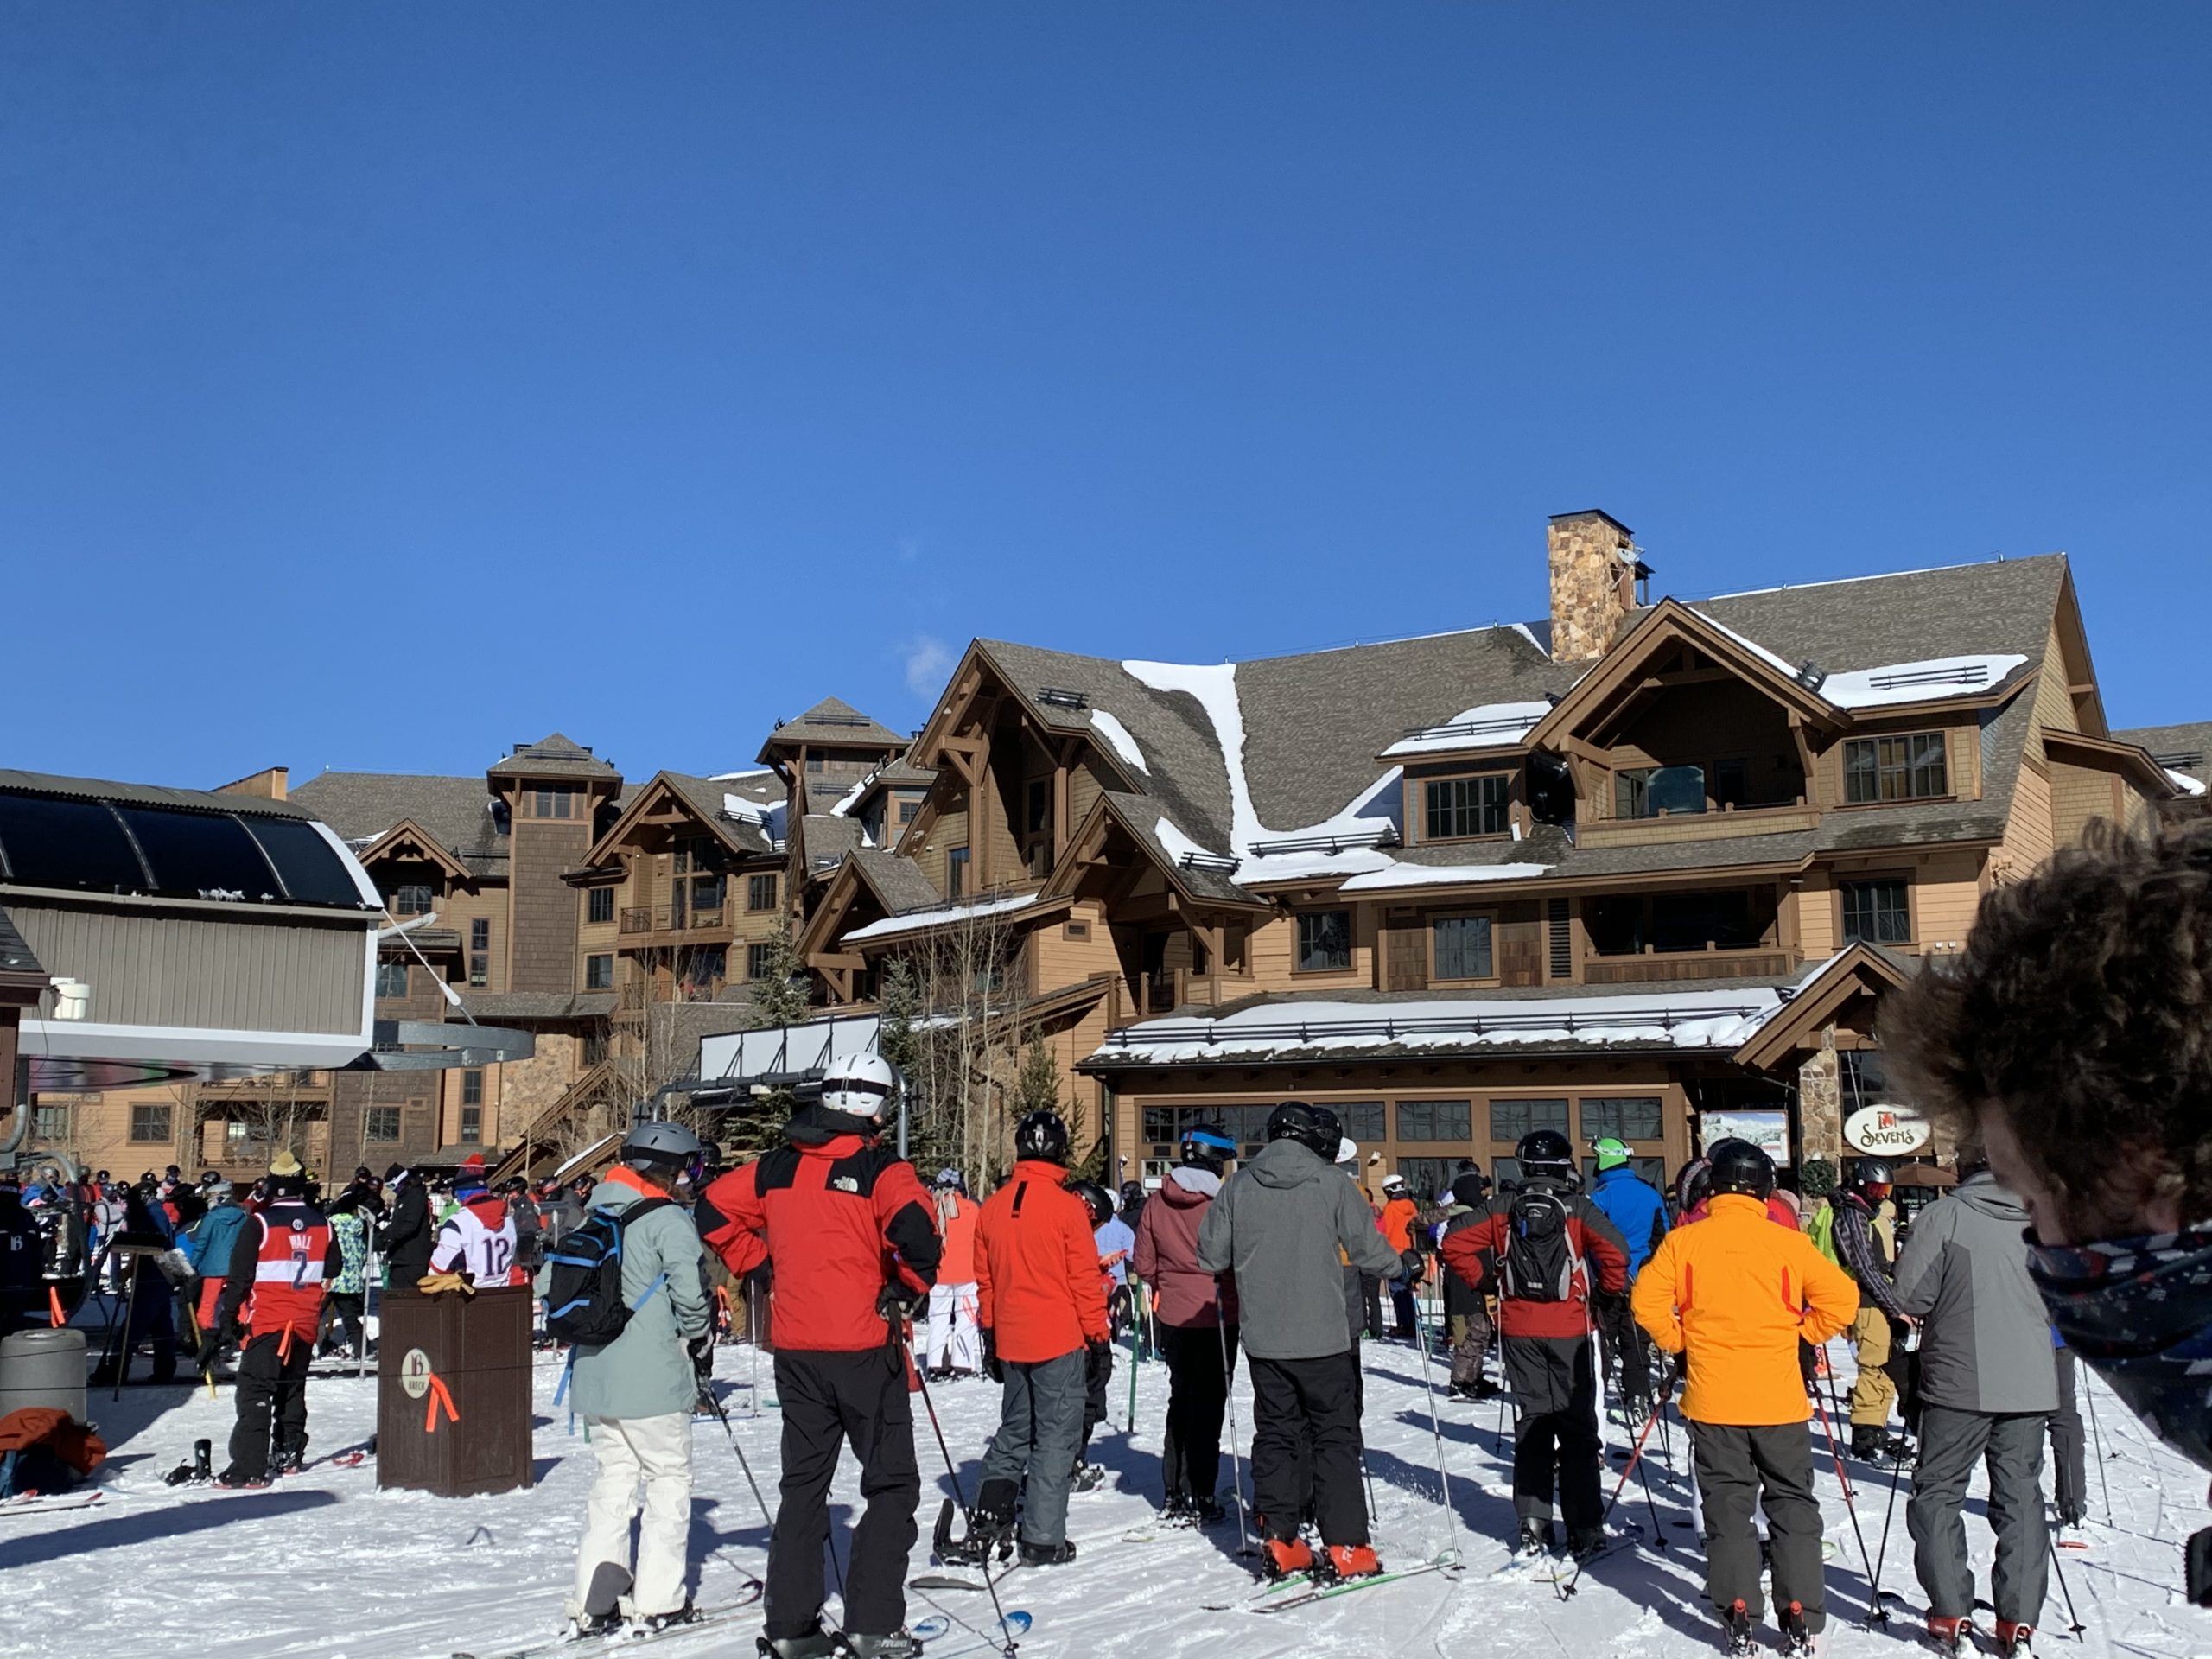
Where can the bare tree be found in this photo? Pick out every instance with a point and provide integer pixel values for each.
(966, 982)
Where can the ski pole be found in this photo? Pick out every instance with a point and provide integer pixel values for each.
(2087, 1389)
(966, 1515)
(1635, 1458)
(1876, 1613)
(716, 1406)
(2075, 1627)
(1228, 1397)
(1133, 1373)
(1436, 1428)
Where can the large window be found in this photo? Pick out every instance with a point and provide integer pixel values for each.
(1909, 768)
(50, 1122)
(472, 1125)
(149, 1124)
(391, 979)
(1691, 921)
(472, 1086)
(956, 874)
(703, 970)
(1324, 941)
(706, 892)
(756, 962)
(1635, 1117)
(1511, 1119)
(552, 803)
(760, 892)
(381, 1124)
(411, 900)
(1649, 791)
(598, 905)
(1462, 947)
(1877, 913)
(479, 951)
(1037, 806)
(244, 1142)
(1462, 807)
(1362, 1122)
(598, 973)
(1435, 1120)
(1430, 1178)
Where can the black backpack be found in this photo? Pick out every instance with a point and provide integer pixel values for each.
(1540, 1254)
(584, 1287)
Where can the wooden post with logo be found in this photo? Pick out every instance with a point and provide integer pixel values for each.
(454, 1392)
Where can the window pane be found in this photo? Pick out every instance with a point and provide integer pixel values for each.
(1637, 1117)
(312, 873)
(391, 979)
(1324, 941)
(1429, 1179)
(1511, 1119)
(760, 893)
(411, 900)
(1875, 913)
(472, 1125)
(200, 852)
(1632, 793)
(472, 1088)
(1689, 921)
(756, 961)
(956, 873)
(380, 1123)
(598, 973)
(480, 932)
(1463, 947)
(600, 904)
(57, 844)
(150, 1122)
(1677, 789)
(1434, 1120)
(1363, 1121)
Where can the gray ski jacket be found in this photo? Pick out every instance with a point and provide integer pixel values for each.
(1985, 1338)
(1279, 1225)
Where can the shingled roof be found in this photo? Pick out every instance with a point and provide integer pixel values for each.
(362, 806)
(2186, 748)
(554, 756)
(832, 722)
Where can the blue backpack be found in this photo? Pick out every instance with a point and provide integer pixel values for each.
(583, 1286)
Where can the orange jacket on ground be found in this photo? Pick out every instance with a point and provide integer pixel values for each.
(957, 1265)
(1737, 1291)
(1039, 1290)
(1398, 1218)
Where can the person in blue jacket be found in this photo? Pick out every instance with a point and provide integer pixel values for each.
(206, 1245)
(1639, 1215)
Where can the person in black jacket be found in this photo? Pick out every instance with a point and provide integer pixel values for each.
(404, 1242)
(22, 1262)
(1465, 1308)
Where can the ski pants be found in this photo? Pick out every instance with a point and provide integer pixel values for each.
(1041, 1433)
(2011, 1444)
(346, 1314)
(1770, 1465)
(1401, 1306)
(272, 1390)
(2066, 1448)
(1471, 1339)
(1198, 1392)
(827, 1399)
(1625, 1349)
(954, 1342)
(1556, 1441)
(1875, 1391)
(655, 1452)
(1371, 1289)
(1305, 1445)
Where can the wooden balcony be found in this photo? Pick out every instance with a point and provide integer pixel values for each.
(671, 918)
(638, 919)
(1170, 989)
(1653, 968)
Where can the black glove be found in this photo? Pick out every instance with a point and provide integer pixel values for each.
(1098, 1362)
(211, 1343)
(702, 1355)
(992, 1369)
(1415, 1265)
(900, 1302)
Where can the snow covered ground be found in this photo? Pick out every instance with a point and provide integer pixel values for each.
(324, 1564)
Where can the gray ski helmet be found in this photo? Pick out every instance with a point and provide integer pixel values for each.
(669, 1145)
(1042, 1135)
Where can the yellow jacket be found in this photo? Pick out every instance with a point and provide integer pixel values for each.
(1737, 1291)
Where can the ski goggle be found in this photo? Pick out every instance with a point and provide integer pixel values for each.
(1208, 1138)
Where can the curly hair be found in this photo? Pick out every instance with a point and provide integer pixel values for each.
(2081, 1009)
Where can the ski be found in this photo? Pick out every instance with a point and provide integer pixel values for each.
(47, 1502)
(938, 1625)
(1329, 1592)
(623, 1639)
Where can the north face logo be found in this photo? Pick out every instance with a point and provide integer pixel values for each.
(846, 1184)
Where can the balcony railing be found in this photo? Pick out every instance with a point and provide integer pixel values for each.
(1677, 965)
(638, 920)
(670, 919)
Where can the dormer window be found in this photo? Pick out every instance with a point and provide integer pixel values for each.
(1461, 809)
(411, 900)
(1914, 767)
(552, 802)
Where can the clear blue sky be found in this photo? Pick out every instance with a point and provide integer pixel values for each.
(381, 385)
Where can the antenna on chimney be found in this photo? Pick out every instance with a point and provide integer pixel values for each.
(1634, 555)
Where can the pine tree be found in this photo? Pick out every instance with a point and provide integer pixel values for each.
(781, 993)
(899, 1001)
(1037, 1086)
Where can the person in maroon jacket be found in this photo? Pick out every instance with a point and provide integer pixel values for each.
(1543, 1245)
(1196, 1319)
(855, 1244)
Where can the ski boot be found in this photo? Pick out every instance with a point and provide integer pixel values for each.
(1177, 1512)
(820, 1642)
(990, 1527)
(1348, 1562)
(1950, 1635)
(1585, 1542)
(899, 1644)
(1058, 1554)
(1736, 1628)
(654, 1623)
(1798, 1639)
(1282, 1557)
(1877, 1446)
(1536, 1538)
(1206, 1512)
(584, 1626)
(2014, 1638)
(232, 1481)
(289, 1463)
(1088, 1477)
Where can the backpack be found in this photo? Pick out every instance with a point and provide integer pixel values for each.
(1541, 1258)
(583, 1286)
(1822, 1232)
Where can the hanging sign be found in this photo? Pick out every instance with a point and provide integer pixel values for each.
(1882, 1131)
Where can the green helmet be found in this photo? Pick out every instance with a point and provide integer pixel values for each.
(1612, 1152)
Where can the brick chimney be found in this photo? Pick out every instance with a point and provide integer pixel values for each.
(1593, 571)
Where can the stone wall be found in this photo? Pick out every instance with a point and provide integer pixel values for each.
(1820, 1104)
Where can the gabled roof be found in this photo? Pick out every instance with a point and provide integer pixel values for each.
(831, 723)
(408, 834)
(552, 756)
(16, 956)
(699, 799)
(362, 806)
(2186, 749)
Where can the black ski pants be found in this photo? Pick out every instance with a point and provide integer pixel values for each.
(828, 1399)
(2067, 1449)
(1198, 1392)
(1305, 1445)
(1556, 1441)
(1371, 1289)
(272, 1391)
(1770, 1465)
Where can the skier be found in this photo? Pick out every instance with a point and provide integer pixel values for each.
(1548, 1251)
(1988, 1386)
(478, 1239)
(405, 1239)
(284, 1258)
(637, 1393)
(1639, 1215)
(853, 1241)
(1862, 1244)
(22, 1262)
(349, 1289)
(1279, 1225)
(1115, 1239)
(1466, 1307)
(1400, 1213)
(1196, 1323)
(1734, 1295)
(2069, 1449)
(1044, 1317)
(530, 1237)
(955, 1348)
(1098, 1368)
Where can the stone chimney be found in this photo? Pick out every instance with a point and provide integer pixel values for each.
(1593, 571)
(270, 785)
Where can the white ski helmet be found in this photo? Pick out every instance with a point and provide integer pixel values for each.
(1347, 1151)
(861, 1085)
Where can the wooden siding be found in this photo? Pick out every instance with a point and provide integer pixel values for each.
(543, 905)
(148, 969)
(2028, 831)
(2054, 702)
(2079, 795)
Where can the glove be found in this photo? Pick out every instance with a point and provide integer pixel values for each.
(211, 1344)
(992, 1369)
(703, 1356)
(900, 1303)
(1098, 1361)
(1415, 1265)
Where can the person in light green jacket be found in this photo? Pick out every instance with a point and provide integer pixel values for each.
(637, 1394)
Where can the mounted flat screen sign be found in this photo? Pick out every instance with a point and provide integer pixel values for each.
(1885, 1131)
(1766, 1128)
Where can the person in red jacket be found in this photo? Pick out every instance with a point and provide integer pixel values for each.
(282, 1265)
(1196, 1322)
(1042, 1308)
(855, 1245)
(1547, 1249)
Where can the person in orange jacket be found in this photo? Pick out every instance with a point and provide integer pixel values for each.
(1042, 1308)
(1400, 1215)
(954, 1347)
(1734, 1295)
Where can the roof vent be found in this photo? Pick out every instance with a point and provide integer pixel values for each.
(1811, 675)
(1054, 697)
(2181, 760)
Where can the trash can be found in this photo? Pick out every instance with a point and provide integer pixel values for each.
(43, 1368)
(454, 1392)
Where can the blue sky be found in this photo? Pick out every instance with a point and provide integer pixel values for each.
(383, 385)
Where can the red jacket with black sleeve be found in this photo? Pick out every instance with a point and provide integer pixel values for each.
(841, 1217)
(1038, 1289)
(1477, 1251)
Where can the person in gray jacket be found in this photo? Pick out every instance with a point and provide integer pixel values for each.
(1285, 1224)
(637, 1394)
(1988, 1385)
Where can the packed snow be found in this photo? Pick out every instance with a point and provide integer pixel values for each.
(940, 916)
(324, 1564)
(1117, 736)
(1487, 725)
(1901, 683)
(2183, 782)
(1401, 875)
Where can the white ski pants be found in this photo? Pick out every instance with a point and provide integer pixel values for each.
(656, 1451)
(954, 1341)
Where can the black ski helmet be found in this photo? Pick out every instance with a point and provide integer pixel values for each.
(1041, 1135)
(1867, 1171)
(1545, 1153)
(1739, 1166)
(1096, 1200)
(1471, 1189)
(1315, 1130)
(1207, 1146)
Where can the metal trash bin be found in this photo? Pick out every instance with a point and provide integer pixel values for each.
(43, 1368)
(454, 1392)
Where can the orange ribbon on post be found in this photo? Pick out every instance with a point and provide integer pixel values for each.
(54, 1303)
(439, 1396)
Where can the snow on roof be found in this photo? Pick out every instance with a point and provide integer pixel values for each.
(733, 777)
(2183, 782)
(844, 803)
(1425, 875)
(1752, 646)
(1486, 725)
(939, 916)
(1214, 686)
(1118, 736)
(1940, 676)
